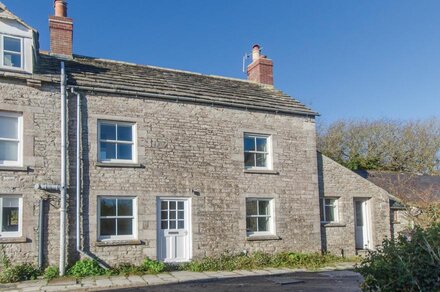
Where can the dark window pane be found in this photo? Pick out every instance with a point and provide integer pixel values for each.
(249, 159)
(181, 224)
(249, 143)
(173, 224)
(263, 208)
(125, 226)
(263, 224)
(12, 60)
(164, 224)
(164, 205)
(8, 127)
(125, 151)
(125, 207)
(180, 205)
(164, 215)
(261, 160)
(359, 215)
(251, 207)
(10, 219)
(107, 151)
(108, 132)
(108, 207)
(262, 144)
(251, 224)
(8, 150)
(330, 213)
(12, 44)
(108, 227)
(172, 205)
(125, 133)
(181, 215)
(173, 214)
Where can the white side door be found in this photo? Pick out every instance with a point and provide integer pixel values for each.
(362, 225)
(174, 230)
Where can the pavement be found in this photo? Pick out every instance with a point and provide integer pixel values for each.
(336, 278)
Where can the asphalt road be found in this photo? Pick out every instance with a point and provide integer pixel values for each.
(340, 281)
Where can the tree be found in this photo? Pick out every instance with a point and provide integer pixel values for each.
(411, 146)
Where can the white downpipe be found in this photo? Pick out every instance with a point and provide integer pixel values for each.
(62, 264)
(78, 179)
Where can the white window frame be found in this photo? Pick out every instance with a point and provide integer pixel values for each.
(134, 234)
(19, 140)
(335, 207)
(2, 65)
(268, 153)
(271, 217)
(133, 142)
(10, 234)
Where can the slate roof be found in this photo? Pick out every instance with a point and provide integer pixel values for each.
(105, 76)
(407, 187)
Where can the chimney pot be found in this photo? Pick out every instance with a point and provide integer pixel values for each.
(261, 68)
(60, 7)
(256, 52)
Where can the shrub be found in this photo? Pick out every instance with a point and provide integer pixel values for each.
(409, 263)
(127, 269)
(261, 260)
(152, 266)
(18, 273)
(51, 272)
(85, 268)
(4, 260)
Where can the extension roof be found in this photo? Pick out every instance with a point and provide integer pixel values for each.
(411, 188)
(112, 77)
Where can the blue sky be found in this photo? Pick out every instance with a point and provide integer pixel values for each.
(344, 58)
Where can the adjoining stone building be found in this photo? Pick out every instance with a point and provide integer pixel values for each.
(174, 165)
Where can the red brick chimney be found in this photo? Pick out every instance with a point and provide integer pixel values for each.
(61, 30)
(261, 68)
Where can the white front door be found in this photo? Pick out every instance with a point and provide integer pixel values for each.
(174, 235)
(362, 224)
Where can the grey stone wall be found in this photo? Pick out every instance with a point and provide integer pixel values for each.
(40, 109)
(340, 182)
(184, 147)
(401, 222)
(181, 147)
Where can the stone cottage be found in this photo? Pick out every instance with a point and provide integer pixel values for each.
(161, 163)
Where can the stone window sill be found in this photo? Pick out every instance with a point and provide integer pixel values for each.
(262, 237)
(333, 224)
(119, 165)
(5, 240)
(118, 242)
(14, 168)
(261, 171)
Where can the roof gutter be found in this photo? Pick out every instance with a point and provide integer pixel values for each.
(196, 100)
